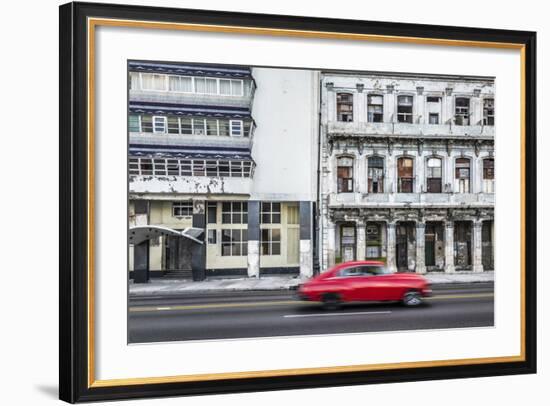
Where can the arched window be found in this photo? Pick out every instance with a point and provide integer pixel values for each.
(462, 175)
(375, 108)
(376, 174)
(405, 170)
(433, 175)
(489, 175)
(344, 107)
(345, 175)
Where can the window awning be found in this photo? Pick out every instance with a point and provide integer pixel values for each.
(139, 234)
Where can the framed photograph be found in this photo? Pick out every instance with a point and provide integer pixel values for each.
(258, 202)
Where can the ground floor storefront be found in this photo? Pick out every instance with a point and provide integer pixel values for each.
(234, 238)
(411, 240)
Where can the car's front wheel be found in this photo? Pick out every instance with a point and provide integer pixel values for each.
(412, 298)
(331, 301)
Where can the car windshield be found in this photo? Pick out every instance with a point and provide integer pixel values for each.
(363, 270)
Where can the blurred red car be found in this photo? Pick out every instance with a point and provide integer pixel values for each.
(361, 281)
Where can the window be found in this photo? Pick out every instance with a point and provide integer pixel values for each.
(236, 128)
(271, 241)
(374, 240)
(234, 242)
(151, 81)
(271, 213)
(489, 112)
(146, 166)
(212, 236)
(434, 118)
(134, 80)
(231, 87)
(462, 175)
(182, 209)
(199, 126)
(173, 125)
(172, 167)
(133, 123)
(433, 175)
(180, 84)
(376, 174)
(234, 212)
(186, 125)
(345, 175)
(375, 108)
(405, 175)
(211, 126)
(405, 109)
(433, 99)
(344, 107)
(489, 175)
(146, 124)
(212, 212)
(159, 124)
(462, 111)
(188, 167)
(206, 85)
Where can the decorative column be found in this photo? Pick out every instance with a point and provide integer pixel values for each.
(306, 241)
(253, 257)
(449, 246)
(198, 251)
(477, 262)
(392, 266)
(420, 247)
(331, 244)
(361, 242)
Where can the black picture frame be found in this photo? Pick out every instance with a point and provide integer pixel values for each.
(74, 290)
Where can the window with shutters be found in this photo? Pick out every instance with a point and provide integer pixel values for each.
(345, 175)
(405, 170)
(462, 175)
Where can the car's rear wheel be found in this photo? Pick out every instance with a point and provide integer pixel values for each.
(331, 301)
(412, 298)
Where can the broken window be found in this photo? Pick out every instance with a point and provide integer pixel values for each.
(433, 175)
(344, 107)
(375, 108)
(405, 109)
(434, 109)
(489, 175)
(235, 242)
(234, 212)
(462, 111)
(182, 209)
(345, 175)
(405, 170)
(376, 174)
(462, 175)
(489, 112)
(270, 240)
(271, 213)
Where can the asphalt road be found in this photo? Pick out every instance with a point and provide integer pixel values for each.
(267, 314)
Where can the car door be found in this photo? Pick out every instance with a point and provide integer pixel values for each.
(351, 281)
(375, 285)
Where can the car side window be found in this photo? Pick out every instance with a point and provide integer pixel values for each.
(348, 272)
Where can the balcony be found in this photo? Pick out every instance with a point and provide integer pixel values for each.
(410, 199)
(191, 185)
(361, 129)
(158, 139)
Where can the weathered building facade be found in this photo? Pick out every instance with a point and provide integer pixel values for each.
(214, 149)
(407, 171)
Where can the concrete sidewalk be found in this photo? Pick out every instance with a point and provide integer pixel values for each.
(174, 286)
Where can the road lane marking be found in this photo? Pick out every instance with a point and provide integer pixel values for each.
(333, 314)
(135, 309)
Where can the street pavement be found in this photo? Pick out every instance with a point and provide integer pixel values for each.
(222, 315)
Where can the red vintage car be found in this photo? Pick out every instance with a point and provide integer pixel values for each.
(360, 281)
